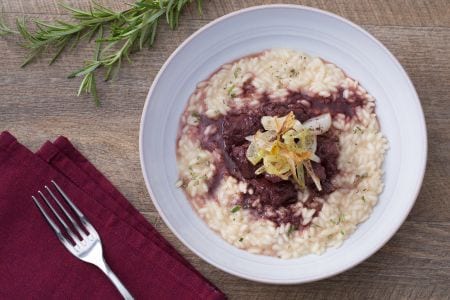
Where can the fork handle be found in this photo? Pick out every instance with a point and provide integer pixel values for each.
(117, 283)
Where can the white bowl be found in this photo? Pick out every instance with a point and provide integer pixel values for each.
(318, 33)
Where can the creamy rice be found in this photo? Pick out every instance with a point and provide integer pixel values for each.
(362, 147)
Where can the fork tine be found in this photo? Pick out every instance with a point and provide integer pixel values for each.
(47, 218)
(71, 234)
(77, 211)
(74, 223)
(83, 219)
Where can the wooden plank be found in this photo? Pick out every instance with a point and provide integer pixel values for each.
(53, 7)
(369, 12)
(404, 268)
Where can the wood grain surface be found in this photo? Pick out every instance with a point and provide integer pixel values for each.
(38, 103)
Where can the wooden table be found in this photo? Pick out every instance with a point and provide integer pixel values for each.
(39, 103)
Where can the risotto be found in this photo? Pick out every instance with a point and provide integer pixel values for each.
(281, 153)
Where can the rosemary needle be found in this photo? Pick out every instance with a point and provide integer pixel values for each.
(4, 30)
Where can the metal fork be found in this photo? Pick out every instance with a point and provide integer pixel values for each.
(86, 244)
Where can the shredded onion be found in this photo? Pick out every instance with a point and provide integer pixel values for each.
(318, 125)
(287, 147)
(313, 175)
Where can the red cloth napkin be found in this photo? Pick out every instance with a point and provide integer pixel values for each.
(34, 264)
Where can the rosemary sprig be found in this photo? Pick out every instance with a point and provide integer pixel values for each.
(58, 35)
(88, 84)
(127, 31)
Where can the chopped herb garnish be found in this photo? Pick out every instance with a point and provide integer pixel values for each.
(195, 114)
(230, 90)
(291, 230)
(362, 176)
(235, 209)
(363, 199)
(236, 72)
(293, 73)
(241, 239)
(280, 84)
(357, 129)
(341, 218)
(342, 232)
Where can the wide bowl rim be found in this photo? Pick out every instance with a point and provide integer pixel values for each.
(370, 251)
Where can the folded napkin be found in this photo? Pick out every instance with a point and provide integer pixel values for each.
(34, 264)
